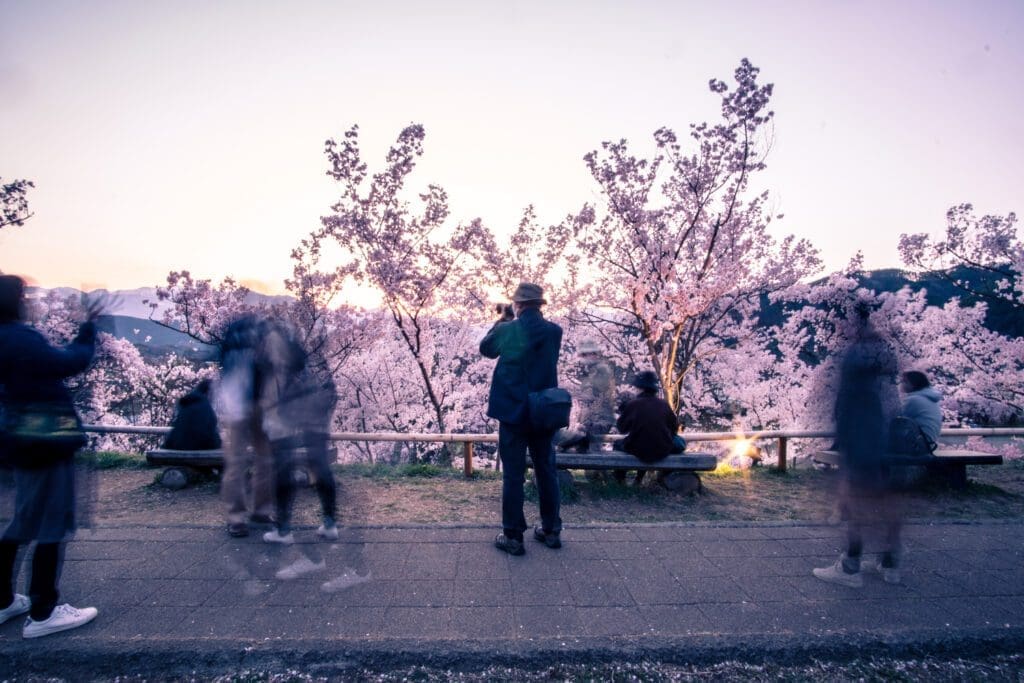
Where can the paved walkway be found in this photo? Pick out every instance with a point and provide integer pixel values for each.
(182, 599)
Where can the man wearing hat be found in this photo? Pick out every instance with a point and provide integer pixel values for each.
(649, 423)
(527, 350)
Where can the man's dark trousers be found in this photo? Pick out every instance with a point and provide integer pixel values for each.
(513, 442)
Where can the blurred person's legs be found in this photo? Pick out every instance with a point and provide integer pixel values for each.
(12, 604)
(261, 494)
(232, 481)
(245, 494)
(868, 509)
(44, 513)
(46, 563)
(284, 490)
(326, 490)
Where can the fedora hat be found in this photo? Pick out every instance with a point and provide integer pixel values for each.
(528, 292)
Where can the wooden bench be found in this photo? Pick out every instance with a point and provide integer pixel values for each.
(682, 468)
(948, 465)
(182, 467)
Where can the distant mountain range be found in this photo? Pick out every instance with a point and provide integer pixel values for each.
(129, 318)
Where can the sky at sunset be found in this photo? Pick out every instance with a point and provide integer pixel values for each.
(189, 135)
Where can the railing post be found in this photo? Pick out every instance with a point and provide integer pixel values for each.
(467, 456)
(783, 443)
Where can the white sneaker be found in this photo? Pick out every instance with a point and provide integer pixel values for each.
(347, 580)
(275, 536)
(19, 606)
(328, 532)
(299, 568)
(64, 617)
(834, 574)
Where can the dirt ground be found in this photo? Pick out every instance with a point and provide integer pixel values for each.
(128, 494)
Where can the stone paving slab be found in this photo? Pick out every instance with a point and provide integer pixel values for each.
(199, 597)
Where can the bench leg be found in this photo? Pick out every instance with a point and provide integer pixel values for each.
(957, 476)
(565, 481)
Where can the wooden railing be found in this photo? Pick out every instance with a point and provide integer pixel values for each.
(469, 440)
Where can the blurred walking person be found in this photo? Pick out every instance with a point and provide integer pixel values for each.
(297, 403)
(40, 433)
(866, 401)
(247, 483)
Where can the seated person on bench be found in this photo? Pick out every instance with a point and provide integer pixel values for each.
(921, 403)
(195, 424)
(649, 424)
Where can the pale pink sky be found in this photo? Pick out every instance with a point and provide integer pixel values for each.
(188, 135)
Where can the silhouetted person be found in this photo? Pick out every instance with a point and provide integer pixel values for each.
(194, 427)
(527, 350)
(649, 424)
(32, 374)
(865, 404)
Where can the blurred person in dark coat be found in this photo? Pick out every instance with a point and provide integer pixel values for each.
(866, 401)
(32, 373)
(527, 348)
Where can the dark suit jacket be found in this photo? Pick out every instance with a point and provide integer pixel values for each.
(527, 352)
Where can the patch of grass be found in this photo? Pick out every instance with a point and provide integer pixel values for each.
(109, 460)
(609, 488)
(413, 470)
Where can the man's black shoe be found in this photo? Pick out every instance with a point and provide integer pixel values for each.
(509, 545)
(551, 540)
(238, 530)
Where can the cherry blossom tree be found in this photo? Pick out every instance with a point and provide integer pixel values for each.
(679, 254)
(120, 387)
(199, 308)
(418, 264)
(987, 246)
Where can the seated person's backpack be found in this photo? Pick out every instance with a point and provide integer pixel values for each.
(195, 424)
(907, 438)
